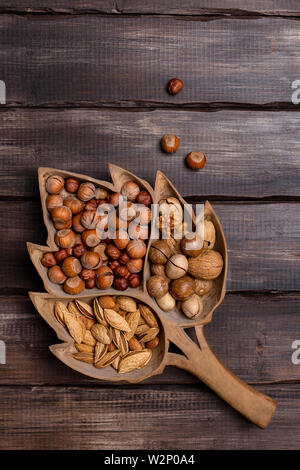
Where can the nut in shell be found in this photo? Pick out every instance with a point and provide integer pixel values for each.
(126, 303)
(192, 307)
(177, 266)
(208, 265)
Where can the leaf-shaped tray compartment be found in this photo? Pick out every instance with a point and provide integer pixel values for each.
(119, 177)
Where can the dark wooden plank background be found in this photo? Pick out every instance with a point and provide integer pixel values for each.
(86, 84)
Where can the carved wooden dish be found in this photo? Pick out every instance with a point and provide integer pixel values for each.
(197, 358)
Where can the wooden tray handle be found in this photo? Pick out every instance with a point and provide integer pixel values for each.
(203, 363)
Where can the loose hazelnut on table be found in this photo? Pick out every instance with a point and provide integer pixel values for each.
(130, 191)
(86, 191)
(104, 277)
(74, 285)
(195, 160)
(53, 201)
(72, 185)
(170, 143)
(175, 85)
(48, 260)
(56, 275)
(65, 238)
(54, 184)
(144, 198)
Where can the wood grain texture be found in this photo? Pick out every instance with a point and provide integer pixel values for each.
(105, 419)
(93, 59)
(263, 242)
(252, 335)
(249, 154)
(173, 7)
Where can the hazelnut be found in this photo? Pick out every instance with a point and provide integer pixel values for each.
(72, 185)
(71, 266)
(90, 260)
(74, 285)
(48, 260)
(54, 184)
(159, 252)
(114, 265)
(209, 234)
(90, 284)
(177, 266)
(182, 288)
(208, 265)
(157, 286)
(76, 223)
(167, 302)
(120, 283)
(63, 226)
(78, 239)
(134, 280)
(192, 245)
(61, 215)
(130, 191)
(192, 307)
(86, 191)
(69, 251)
(104, 277)
(115, 199)
(101, 193)
(124, 258)
(136, 249)
(169, 143)
(56, 275)
(144, 198)
(87, 274)
(60, 255)
(135, 265)
(90, 238)
(143, 215)
(121, 239)
(195, 160)
(65, 238)
(127, 211)
(106, 301)
(89, 219)
(91, 205)
(100, 249)
(74, 204)
(175, 86)
(112, 252)
(78, 250)
(53, 201)
(137, 232)
(121, 271)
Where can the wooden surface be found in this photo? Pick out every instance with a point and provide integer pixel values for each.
(86, 84)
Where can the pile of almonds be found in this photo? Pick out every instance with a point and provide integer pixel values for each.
(89, 256)
(114, 331)
(183, 269)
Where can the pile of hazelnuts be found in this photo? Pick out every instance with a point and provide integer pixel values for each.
(89, 255)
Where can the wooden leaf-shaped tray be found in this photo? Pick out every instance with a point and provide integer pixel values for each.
(196, 358)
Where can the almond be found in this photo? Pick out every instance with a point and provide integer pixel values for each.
(89, 358)
(76, 329)
(148, 316)
(84, 309)
(134, 360)
(101, 334)
(149, 335)
(133, 321)
(99, 314)
(126, 303)
(115, 320)
(107, 359)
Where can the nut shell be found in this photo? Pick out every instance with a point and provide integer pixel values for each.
(203, 286)
(192, 307)
(208, 265)
(74, 285)
(167, 302)
(170, 143)
(157, 286)
(209, 234)
(159, 252)
(182, 288)
(177, 266)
